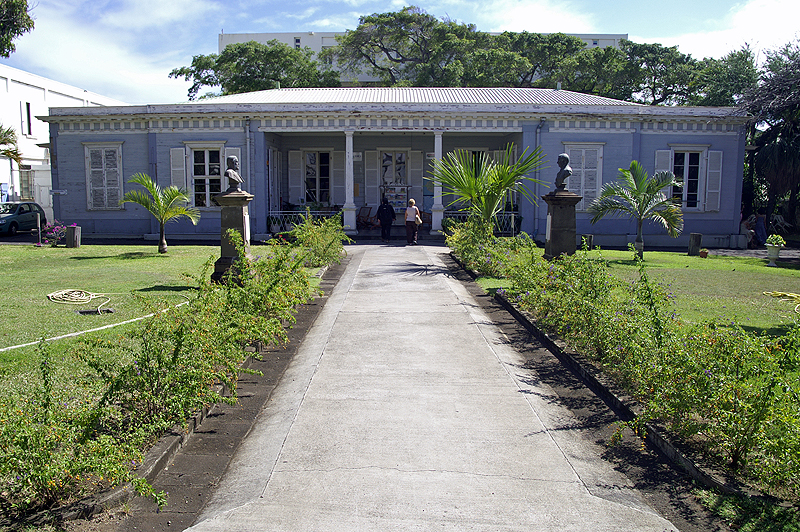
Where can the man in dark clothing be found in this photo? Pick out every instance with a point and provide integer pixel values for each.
(386, 217)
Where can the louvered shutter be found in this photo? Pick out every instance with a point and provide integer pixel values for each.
(177, 167)
(296, 177)
(591, 177)
(372, 192)
(663, 161)
(713, 180)
(104, 177)
(339, 193)
(415, 160)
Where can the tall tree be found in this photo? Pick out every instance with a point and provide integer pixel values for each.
(542, 53)
(640, 197)
(599, 71)
(775, 107)
(663, 75)
(724, 82)
(407, 47)
(165, 204)
(15, 20)
(252, 66)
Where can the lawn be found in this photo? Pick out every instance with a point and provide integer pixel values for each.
(120, 272)
(728, 289)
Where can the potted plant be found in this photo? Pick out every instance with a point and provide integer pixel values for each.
(703, 253)
(774, 245)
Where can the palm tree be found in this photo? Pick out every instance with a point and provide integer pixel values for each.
(640, 197)
(8, 144)
(167, 204)
(482, 183)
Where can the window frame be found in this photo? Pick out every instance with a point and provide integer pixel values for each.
(318, 166)
(394, 176)
(583, 205)
(206, 147)
(108, 189)
(709, 178)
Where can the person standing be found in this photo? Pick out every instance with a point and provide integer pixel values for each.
(386, 217)
(412, 212)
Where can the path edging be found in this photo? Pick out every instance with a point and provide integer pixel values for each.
(624, 406)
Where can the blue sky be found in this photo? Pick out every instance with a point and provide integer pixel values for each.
(125, 49)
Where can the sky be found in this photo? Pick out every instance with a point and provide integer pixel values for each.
(125, 49)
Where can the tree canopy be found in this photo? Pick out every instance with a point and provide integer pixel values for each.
(774, 104)
(14, 22)
(252, 66)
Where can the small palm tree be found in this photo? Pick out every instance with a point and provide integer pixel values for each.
(167, 204)
(641, 197)
(8, 144)
(482, 183)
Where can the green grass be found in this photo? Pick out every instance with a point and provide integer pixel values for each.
(751, 514)
(728, 289)
(30, 274)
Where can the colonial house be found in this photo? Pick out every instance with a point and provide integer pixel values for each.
(346, 148)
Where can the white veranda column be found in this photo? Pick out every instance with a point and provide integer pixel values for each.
(437, 211)
(349, 209)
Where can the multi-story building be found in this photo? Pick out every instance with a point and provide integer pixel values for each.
(24, 97)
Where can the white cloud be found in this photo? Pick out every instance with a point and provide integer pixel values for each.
(545, 16)
(763, 24)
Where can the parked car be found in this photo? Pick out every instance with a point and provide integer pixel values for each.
(20, 216)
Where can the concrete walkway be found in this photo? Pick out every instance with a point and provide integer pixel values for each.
(404, 409)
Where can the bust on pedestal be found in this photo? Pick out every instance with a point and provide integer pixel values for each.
(235, 215)
(561, 226)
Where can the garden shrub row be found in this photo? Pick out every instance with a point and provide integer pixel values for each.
(732, 393)
(82, 423)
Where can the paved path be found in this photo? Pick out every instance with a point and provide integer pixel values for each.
(404, 409)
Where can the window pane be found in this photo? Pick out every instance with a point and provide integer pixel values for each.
(200, 157)
(213, 157)
(214, 186)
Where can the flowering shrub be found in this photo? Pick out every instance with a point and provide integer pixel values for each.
(65, 436)
(735, 393)
(55, 232)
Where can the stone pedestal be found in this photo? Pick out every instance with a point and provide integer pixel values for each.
(235, 215)
(73, 236)
(695, 242)
(561, 232)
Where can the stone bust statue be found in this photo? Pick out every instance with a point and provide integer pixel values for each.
(564, 171)
(232, 173)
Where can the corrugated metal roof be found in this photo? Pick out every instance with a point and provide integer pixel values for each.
(415, 95)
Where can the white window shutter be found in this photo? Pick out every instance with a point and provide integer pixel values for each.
(371, 173)
(713, 180)
(177, 167)
(415, 160)
(338, 192)
(591, 176)
(574, 182)
(296, 177)
(663, 161)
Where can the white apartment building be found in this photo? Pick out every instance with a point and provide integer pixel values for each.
(23, 97)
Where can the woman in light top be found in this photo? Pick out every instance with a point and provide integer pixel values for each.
(411, 223)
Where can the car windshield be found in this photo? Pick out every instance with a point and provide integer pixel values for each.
(6, 208)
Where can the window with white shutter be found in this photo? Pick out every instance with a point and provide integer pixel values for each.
(586, 161)
(699, 172)
(103, 175)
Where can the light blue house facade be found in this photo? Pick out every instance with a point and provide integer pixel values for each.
(348, 147)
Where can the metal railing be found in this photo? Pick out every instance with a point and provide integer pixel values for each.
(506, 223)
(280, 221)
